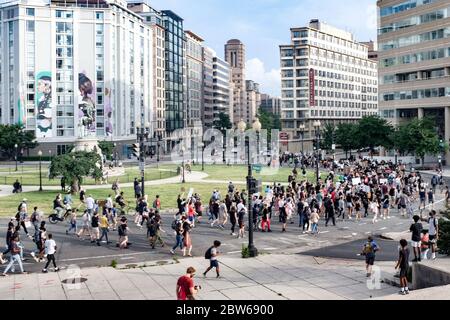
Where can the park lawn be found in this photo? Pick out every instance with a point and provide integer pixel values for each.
(32, 178)
(168, 194)
(239, 173)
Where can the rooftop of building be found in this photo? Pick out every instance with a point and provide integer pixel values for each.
(194, 35)
(234, 41)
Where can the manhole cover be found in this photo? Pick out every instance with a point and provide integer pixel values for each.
(74, 280)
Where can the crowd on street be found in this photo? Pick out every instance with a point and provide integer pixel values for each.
(346, 190)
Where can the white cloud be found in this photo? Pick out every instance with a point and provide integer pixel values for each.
(269, 80)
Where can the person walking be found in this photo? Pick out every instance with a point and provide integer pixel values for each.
(369, 250)
(329, 211)
(233, 218)
(265, 219)
(86, 218)
(15, 257)
(104, 227)
(187, 241)
(212, 254)
(416, 229)
(177, 225)
(241, 212)
(72, 220)
(433, 232)
(315, 221)
(186, 290)
(403, 265)
(123, 234)
(223, 215)
(50, 250)
(95, 231)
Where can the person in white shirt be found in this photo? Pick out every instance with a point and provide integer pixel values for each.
(50, 250)
(90, 203)
(109, 204)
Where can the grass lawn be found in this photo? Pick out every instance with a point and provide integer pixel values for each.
(239, 173)
(168, 194)
(30, 177)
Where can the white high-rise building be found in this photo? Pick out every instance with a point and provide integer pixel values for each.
(71, 67)
(326, 75)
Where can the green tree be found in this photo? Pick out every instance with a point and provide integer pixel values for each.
(223, 122)
(374, 131)
(76, 165)
(418, 137)
(107, 148)
(328, 136)
(269, 121)
(345, 137)
(11, 135)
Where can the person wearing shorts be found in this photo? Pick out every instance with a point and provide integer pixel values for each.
(213, 262)
(369, 250)
(416, 229)
(403, 264)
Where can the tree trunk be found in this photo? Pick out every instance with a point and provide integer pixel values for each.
(346, 154)
(75, 188)
(423, 161)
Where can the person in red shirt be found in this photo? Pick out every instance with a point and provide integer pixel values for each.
(186, 289)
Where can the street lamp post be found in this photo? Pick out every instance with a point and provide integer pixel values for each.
(253, 252)
(317, 125)
(40, 169)
(224, 137)
(142, 133)
(15, 153)
(257, 127)
(302, 130)
(202, 144)
(182, 164)
(115, 154)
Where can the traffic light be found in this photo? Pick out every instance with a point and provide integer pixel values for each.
(136, 150)
(253, 187)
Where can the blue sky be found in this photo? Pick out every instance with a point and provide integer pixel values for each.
(264, 24)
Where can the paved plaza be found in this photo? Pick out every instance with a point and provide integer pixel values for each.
(267, 277)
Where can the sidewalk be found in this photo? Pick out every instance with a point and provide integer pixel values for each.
(274, 277)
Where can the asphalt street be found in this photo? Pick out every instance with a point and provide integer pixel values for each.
(343, 241)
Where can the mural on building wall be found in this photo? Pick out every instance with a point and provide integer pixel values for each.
(86, 107)
(44, 104)
(108, 112)
(22, 116)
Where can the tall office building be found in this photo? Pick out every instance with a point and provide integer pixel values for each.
(174, 65)
(235, 56)
(270, 104)
(152, 18)
(74, 68)
(194, 74)
(373, 52)
(208, 87)
(326, 75)
(222, 89)
(252, 101)
(414, 58)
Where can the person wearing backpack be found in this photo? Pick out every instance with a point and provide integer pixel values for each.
(178, 227)
(211, 255)
(434, 183)
(433, 232)
(15, 257)
(369, 250)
